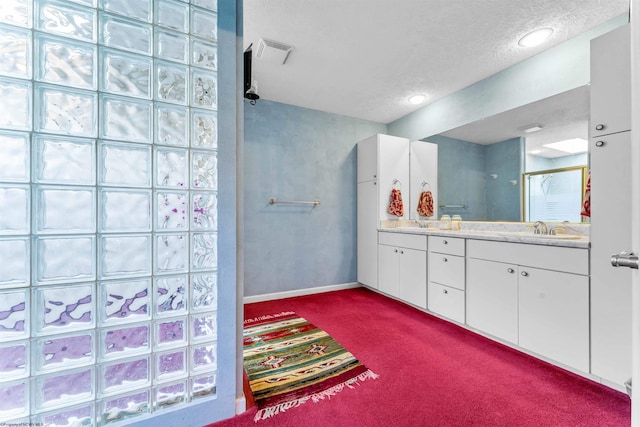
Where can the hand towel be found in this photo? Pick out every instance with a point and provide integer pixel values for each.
(395, 203)
(586, 201)
(425, 204)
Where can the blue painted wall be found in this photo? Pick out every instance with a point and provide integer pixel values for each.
(461, 177)
(503, 197)
(539, 163)
(293, 153)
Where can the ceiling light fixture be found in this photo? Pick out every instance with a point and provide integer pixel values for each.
(535, 37)
(531, 128)
(571, 146)
(417, 99)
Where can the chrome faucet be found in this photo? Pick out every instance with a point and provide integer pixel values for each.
(540, 227)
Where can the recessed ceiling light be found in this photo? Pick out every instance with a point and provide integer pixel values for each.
(572, 146)
(535, 151)
(417, 99)
(535, 37)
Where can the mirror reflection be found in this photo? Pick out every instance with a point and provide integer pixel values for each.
(554, 195)
(483, 166)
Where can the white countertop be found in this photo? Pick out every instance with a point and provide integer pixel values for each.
(573, 238)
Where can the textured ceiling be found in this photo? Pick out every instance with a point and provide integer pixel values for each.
(364, 58)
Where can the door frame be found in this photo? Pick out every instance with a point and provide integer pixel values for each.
(634, 6)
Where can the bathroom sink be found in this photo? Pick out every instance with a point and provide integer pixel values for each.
(557, 236)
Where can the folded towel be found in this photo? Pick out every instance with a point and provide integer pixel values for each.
(395, 203)
(586, 202)
(425, 205)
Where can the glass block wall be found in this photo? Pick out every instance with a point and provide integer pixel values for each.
(108, 208)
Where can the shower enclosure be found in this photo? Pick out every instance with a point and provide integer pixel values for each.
(554, 195)
(109, 218)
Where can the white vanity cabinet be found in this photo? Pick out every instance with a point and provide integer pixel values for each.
(381, 160)
(610, 163)
(553, 315)
(534, 296)
(402, 267)
(447, 277)
(492, 297)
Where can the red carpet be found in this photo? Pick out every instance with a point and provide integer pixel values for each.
(433, 373)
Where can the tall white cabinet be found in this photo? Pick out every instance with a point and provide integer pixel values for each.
(382, 159)
(385, 162)
(610, 149)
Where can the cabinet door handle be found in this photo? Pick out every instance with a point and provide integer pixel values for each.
(374, 183)
(444, 291)
(401, 252)
(599, 143)
(510, 270)
(524, 273)
(444, 242)
(599, 127)
(445, 259)
(395, 250)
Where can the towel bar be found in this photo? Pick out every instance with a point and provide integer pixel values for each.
(273, 201)
(454, 206)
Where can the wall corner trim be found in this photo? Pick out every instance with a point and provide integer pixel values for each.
(241, 404)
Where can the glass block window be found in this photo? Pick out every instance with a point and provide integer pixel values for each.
(108, 208)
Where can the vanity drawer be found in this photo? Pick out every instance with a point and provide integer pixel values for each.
(446, 301)
(570, 260)
(402, 240)
(447, 269)
(447, 245)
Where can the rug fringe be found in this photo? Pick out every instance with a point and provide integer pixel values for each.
(269, 316)
(269, 412)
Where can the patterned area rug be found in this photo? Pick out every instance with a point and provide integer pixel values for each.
(289, 361)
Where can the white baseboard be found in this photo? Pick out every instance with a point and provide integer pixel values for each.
(300, 292)
(241, 404)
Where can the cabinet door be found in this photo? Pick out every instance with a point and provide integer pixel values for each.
(367, 159)
(554, 315)
(367, 231)
(492, 298)
(393, 161)
(389, 270)
(611, 334)
(413, 277)
(611, 82)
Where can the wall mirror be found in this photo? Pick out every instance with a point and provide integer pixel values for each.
(483, 166)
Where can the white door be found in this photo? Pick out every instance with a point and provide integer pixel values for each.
(635, 207)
